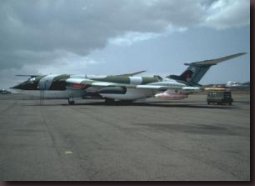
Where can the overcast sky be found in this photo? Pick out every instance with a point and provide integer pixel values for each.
(121, 36)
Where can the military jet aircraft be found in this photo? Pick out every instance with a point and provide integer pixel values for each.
(124, 87)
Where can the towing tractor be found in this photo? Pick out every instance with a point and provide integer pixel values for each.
(219, 96)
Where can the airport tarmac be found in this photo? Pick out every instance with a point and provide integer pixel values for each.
(145, 141)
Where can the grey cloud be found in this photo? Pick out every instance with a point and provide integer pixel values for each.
(224, 14)
(39, 32)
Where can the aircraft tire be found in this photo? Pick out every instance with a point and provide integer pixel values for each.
(71, 101)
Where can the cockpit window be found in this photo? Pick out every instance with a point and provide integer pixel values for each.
(32, 79)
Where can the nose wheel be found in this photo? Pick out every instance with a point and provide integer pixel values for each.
(71, 101)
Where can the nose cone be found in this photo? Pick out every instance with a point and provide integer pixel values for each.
(27, 85)
(20, 86)
(15, 87)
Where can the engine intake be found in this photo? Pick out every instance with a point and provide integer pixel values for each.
(113, 90)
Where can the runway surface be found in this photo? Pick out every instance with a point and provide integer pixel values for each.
(151, 140)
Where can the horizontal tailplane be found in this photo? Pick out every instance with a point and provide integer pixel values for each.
(196, 70)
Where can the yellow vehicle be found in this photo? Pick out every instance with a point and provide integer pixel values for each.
(219, 97)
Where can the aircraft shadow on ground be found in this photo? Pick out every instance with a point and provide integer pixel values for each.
(184, 105)
(139, 104)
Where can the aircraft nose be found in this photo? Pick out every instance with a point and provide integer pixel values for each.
(19, 86)
(26, 85)
(14, 87)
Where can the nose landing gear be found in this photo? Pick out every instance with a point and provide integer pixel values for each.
(71, 101)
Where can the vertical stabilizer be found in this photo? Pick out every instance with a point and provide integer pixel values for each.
(196, 70)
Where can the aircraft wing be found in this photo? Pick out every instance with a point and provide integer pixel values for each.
(99, 86)
(28, 75)
(187, 89)
(132, 74)
(74, 83)
(214, 61)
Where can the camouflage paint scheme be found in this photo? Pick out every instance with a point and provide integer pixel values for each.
(59, 82)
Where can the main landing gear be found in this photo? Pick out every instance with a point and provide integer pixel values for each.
(109, 101)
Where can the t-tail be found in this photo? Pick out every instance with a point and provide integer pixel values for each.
(196, 70)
